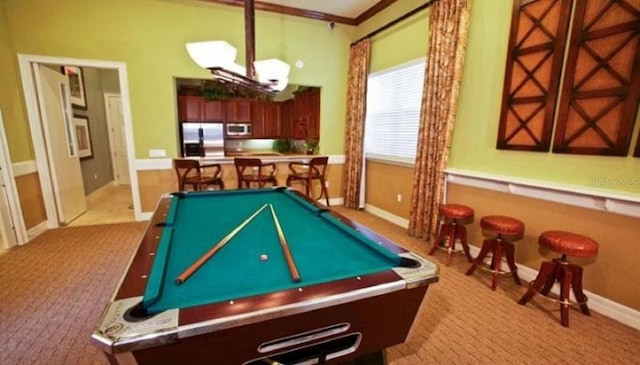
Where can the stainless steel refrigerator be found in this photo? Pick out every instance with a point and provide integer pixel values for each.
(202, 139)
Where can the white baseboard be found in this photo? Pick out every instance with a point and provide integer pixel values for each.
(386, 215)
(597, 303)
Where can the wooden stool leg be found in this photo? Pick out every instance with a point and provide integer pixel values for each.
(509, 254)
(444, 229)
(496, 262)
(555, 277)
(462, 232)
(451, 241)
(486, 247)
(576, 284)
(545, 275)
(565, 287)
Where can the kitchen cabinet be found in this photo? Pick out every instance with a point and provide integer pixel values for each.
(237, 111)
(306, 115)
(213, 111)
(265, 119)
(286, 119)
(190, 108)
(197, 109)
(272, 122)
(257, 119)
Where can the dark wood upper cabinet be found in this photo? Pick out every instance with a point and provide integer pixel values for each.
(601, 86)
(532, 77)
(306, 115)
(213, 111)
(190, 108)
(197, 109)
(238, 111)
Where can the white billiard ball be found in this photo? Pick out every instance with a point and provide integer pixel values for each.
(264, 257)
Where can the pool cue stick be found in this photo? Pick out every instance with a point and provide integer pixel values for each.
(285, 247)
(196, 265)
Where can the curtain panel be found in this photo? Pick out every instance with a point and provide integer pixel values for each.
(449, 24)
(356, 102)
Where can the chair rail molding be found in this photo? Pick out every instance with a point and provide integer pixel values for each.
(620, 203)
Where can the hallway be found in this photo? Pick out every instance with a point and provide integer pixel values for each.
(109, 204)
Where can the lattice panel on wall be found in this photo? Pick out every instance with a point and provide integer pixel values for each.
(599, 98)
(532, 77)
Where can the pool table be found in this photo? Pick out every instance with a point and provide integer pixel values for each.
(357, 292)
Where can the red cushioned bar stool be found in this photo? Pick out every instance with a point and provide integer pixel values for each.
(455, 216)
(568, 275)
(504, 231)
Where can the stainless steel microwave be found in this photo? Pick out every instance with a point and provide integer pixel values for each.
(238, 129)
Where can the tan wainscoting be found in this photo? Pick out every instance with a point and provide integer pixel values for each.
(613, 274)
(154, 183)
(383, 184)
(31, 201)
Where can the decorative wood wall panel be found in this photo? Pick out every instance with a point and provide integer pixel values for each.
(599, 99)
(532, 78)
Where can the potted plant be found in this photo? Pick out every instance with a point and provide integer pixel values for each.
(282, 145)
(311, 146)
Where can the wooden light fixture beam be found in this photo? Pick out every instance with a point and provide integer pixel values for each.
(250, 37)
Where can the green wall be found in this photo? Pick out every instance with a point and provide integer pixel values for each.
(15, 123)
(401, 43)
(150, 36)
(479, 114)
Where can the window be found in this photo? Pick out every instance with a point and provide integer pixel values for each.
(394, 99)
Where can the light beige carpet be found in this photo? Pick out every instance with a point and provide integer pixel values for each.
(53, 290)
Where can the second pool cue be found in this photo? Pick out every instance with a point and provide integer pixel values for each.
(196, 265)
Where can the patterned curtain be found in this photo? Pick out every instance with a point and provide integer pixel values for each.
(356, 102)
(448, 24)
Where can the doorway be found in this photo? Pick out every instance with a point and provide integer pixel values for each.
(36, 123)
(12, 230)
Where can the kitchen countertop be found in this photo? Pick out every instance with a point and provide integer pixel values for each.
(264, 156)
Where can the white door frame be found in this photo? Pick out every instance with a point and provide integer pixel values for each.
(31, 101)
(13, 200)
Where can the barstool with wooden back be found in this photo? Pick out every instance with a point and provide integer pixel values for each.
(307, 172)
(560, 270)
(199, 177)
(252, 170)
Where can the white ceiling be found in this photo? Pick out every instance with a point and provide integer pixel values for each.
(345, 8)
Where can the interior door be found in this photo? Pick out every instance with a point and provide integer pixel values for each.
(118, 139)
(60, 139)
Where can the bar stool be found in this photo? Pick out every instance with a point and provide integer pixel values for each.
(455, 216)
(568, 275)
(252, 170)
(502, 228)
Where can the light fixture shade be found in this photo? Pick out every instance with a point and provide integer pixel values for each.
(281, 84)
(212, 53)
(239, 69)
(271, 69)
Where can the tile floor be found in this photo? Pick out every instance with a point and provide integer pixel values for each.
(109, 204)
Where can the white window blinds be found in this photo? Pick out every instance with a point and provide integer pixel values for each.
(394, 98)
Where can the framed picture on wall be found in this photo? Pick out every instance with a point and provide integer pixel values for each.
(76, 86)
(83, 137)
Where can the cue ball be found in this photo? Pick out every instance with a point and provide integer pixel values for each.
(264, 257)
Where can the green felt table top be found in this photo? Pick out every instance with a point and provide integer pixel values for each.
(324, 249)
